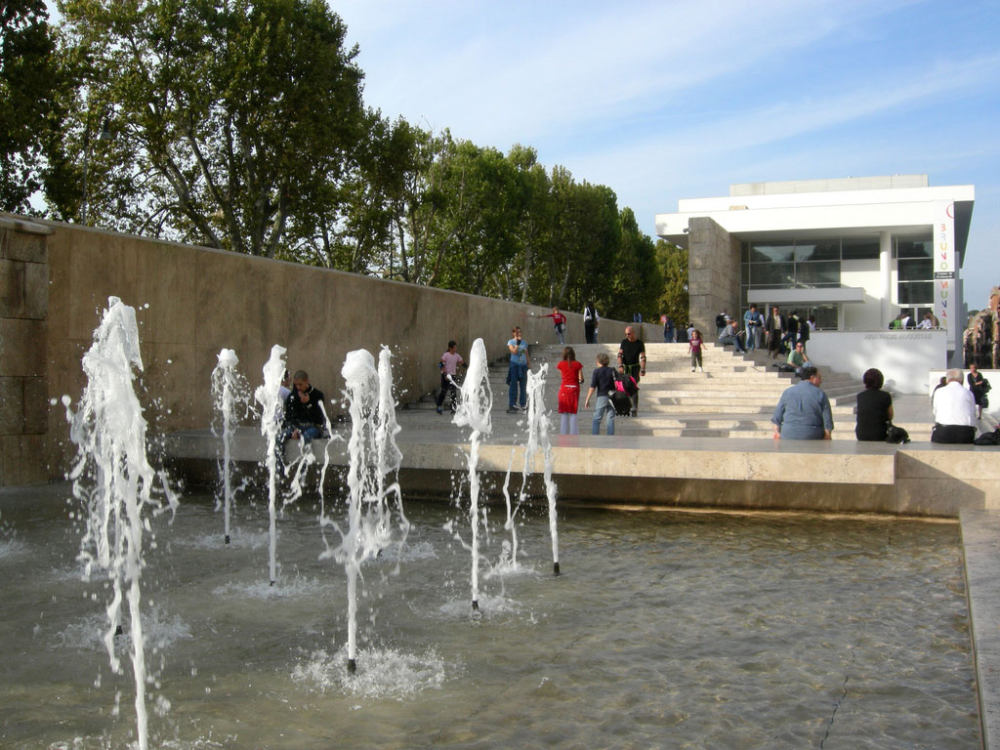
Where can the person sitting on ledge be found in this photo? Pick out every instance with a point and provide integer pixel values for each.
(874, 408)
(731, 335)
(798, 359)
(803, 411)
(954, 410)
(303, 415)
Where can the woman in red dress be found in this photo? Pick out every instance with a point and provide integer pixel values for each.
(569, 391)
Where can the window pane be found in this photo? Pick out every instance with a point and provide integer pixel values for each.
(826, 273)
(744, 252)
(914, 248)
(772, 274)
(859, 248)
(915, 270)
(826, 316)
(823, 250)
(773, 252)
(916, 292)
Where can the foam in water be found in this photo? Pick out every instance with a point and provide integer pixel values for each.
(230, 396)
(113, 480)
(296, 586)
(268, 396)
(473, 411)
(388, 674)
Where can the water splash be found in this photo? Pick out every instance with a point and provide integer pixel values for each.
(373, 457)
(510, 559)
(113, 479)
(538, 439)
(390, 674)
(326, 462)
(230, 393)
(268, 396)
(473, 411)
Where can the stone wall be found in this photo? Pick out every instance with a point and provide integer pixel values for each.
(713, 274)
(24, 299)
(191, 302)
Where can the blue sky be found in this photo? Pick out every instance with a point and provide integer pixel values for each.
(679, 98)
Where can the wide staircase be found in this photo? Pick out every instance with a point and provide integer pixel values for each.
(735, 396)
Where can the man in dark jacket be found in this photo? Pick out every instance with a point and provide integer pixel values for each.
(775, 327)
(303, 414)
(632, 354)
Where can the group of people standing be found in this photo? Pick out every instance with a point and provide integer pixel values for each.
(616, 391)
(803, 411)
(782, 331)
(604, 382)
(779, 332)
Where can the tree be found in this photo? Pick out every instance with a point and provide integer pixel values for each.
(477, 202)
(416, 205)
(533, 220)
(585, 236)
(637, 278)
(30, 86)
(353, 225)
(673, 263)
(233, 123)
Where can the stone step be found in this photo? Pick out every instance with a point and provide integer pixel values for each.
(711, 403)
(839, 433)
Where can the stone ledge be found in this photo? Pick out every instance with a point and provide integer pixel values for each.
(732, 459)
(980, 532)
(8, 221)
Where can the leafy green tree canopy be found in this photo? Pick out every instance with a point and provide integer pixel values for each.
(673, 263)
(229, 121)
(29, 113)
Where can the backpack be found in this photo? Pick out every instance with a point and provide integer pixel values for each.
(621, 402)
(720, 321)
(619, 396)
(989, 438)
(894, 434)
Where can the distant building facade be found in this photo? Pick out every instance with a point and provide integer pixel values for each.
(853, 252)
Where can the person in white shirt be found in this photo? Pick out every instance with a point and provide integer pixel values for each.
(954, 410)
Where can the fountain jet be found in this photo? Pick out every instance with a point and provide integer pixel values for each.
(474, 412)
(113, 479)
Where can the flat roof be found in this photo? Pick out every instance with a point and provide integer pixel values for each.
(865, 207)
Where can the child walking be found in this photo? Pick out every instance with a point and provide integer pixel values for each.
(451, 360)
(601, 382)
(694, 349)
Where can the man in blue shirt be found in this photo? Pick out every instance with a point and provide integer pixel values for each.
(517, 375)
(753, 324)
(803, 411)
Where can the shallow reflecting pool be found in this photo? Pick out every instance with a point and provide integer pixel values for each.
(665, 629)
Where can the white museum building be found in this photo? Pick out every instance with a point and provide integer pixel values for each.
(852, 252)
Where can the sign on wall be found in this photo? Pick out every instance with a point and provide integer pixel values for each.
(945, 292)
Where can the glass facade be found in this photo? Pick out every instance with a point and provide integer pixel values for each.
(816, 263)
(915, 272)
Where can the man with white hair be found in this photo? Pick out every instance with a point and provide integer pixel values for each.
(954, 411)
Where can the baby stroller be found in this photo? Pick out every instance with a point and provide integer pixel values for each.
(621, 396)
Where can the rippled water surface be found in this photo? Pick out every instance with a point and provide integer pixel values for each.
(664, 630)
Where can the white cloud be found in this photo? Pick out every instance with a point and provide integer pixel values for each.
(536, 69)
